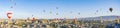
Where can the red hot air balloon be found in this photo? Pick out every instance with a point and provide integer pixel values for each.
(9, 14)
(33, 19)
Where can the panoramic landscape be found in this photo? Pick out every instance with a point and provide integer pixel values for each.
(59, 13)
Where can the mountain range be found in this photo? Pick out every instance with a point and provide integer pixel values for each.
(111, 17)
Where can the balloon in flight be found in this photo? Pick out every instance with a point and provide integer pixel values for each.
(56, 13)
(50, 12)
(11, 0)
(9, 14)
(110, 9)
(14, 3)
(96, 10)
(78, 13)
(33, 19)
(56, 7)
(11, 6)
(71, 12)
(44, 11)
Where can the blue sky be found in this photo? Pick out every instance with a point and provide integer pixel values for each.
(86, 8)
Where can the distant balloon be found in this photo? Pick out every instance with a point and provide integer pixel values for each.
(71, 12)
(28, 18)
(95, 13)
(9, 14)
(11, 0)
(78, 13)
(50, 12)
(110, 9)
(11, 6)
(96, 10)
(14, 3)
(33, 19)
(56, 13)
(44, 11)
(32, 15)
(56, 7)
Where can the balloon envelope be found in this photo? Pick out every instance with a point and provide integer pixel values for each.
(56, 7)
(14, 3)
(43, 10)
(11, 0)
(78, 13)
(11, 6)
(50, 12)
(9, 14)
(33, 19)
(56, 13)
(110, 9)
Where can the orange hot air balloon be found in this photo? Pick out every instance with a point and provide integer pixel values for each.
(9, 14)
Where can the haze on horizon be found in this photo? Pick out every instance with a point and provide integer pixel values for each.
(65, 8)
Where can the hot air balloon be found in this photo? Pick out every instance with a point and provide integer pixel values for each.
(11, 0)
(14, 3)
(94, 13)
(56, 7)
(96, 10)
(79, 13)
(50, 12)
(44, 11)
(33, 19)
(32, 15)
(110, 9)
(56, 13)
(11, 6)
(9, 14)
(71, 12)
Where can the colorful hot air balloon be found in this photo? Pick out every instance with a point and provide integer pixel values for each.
(110, 9)
(9, 14)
